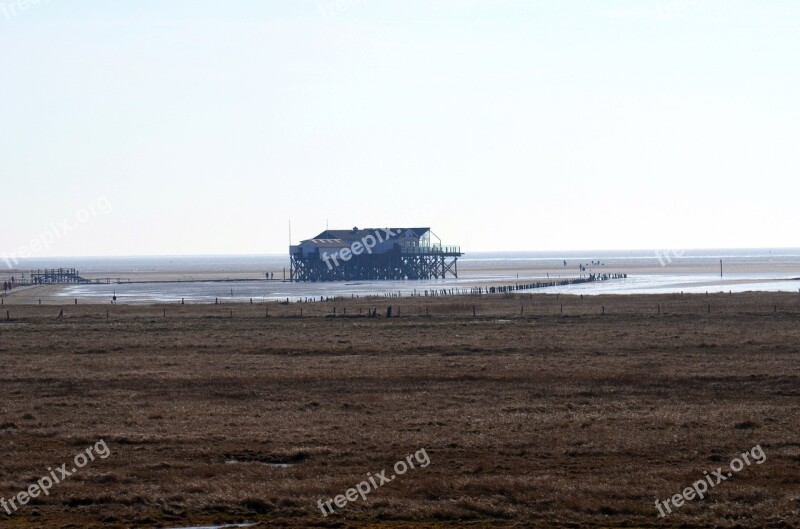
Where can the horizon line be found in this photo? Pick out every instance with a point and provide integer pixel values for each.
(593, 250)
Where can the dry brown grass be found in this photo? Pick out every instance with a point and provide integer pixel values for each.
(537, 419)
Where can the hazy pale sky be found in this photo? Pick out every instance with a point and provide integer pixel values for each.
(203, 127)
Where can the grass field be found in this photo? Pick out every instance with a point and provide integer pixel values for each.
(537, 411)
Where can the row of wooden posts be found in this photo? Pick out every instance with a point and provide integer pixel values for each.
(390, 312)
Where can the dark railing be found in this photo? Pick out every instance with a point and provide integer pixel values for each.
(420, 250)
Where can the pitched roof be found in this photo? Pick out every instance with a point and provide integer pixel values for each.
(356, 234)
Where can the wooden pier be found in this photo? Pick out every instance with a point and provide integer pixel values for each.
(52, 276)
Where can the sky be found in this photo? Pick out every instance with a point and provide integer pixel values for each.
(179, 127)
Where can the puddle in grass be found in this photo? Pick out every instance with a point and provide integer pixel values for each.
(218, 526)
(274, 465)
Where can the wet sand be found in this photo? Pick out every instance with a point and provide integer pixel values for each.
(540, 411)
(164, 288)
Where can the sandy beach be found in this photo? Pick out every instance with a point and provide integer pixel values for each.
(208, 279)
